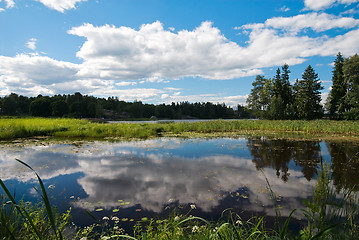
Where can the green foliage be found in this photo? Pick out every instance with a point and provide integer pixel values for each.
(82, 106)
(328, 216)
(351, 78)
(41, 107)
(11, 128)
(337, 93)
(308, 96)
(230, 226)
(25, 221)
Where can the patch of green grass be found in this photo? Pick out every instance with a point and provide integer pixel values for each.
(13, 128)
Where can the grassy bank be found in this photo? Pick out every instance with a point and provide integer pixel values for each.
(74, 128)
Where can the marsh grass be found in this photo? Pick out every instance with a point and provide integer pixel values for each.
(12, 128)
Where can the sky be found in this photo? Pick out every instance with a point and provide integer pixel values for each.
(163, 51)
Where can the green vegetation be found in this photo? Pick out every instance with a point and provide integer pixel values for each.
(12, 128)
(327, 216)
(79, 106)
(25, 221)
(276, 99)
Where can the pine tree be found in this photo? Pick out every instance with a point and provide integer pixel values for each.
(351, 80)
(254, 98)
(335, 100)
(308, 96)
(282, 91)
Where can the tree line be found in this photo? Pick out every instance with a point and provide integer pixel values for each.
(277, 98)
(82, 106)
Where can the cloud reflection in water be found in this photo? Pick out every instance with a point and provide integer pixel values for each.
(152, 172)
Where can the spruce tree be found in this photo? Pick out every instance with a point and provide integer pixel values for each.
(282, 94)
(351, 80)
(335, 100)
(308, 95)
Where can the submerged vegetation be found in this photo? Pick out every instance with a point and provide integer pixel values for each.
(12, 128)
(327, 217)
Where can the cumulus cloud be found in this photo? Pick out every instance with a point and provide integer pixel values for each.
(324, 4)
(31, 74)
(275, 42)
(153, 52)
(116, 58)
(61, 5)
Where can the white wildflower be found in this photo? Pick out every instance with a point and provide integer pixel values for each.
(177, 218)
(115, 219)
(193, 206)
(105, 218)
(195, 229)
(239, 222)
(51, 187)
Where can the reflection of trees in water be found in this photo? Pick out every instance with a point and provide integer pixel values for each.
(307, 155)
(278, 153)
(271, 153)
(345, 164)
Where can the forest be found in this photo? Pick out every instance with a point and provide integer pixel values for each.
(82, 106)
(277, 98)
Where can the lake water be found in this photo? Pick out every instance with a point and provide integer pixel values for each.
(151, 178)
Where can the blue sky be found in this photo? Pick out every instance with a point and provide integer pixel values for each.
(163, 51)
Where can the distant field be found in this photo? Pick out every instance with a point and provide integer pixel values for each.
(12, 128)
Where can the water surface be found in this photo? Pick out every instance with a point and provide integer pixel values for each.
(150, 178)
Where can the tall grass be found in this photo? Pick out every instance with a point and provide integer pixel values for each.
(75, 128)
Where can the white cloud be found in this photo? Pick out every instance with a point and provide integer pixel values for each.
(9, 3)
(60, 5)
(31, 43)
(21, 73)
(116, 57)
(151, 52)
(317, 22)
(285, 9)
(124, 83)
(317, 5)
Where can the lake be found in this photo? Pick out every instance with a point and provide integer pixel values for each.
(151, 178)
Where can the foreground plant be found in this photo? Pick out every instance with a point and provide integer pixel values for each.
(20, 220)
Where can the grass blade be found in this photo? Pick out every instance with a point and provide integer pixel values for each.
(285, 226)
(46, 201)
(22, 211)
